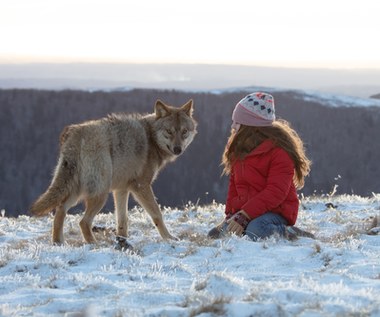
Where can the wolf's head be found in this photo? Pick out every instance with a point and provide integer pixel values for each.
(174, 127)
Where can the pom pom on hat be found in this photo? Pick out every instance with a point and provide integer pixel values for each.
(256, 109)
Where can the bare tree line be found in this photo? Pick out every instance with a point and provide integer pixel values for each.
(342, 142)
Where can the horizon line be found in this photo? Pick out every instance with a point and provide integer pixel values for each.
(304, 67)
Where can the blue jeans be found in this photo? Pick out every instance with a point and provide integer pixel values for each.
(265, 226)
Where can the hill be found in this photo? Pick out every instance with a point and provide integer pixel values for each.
(340, 134)
(338, 274)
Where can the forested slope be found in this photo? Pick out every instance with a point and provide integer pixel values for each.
(341, 141)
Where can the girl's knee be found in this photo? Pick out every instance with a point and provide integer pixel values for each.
(265, 226)
(256, 229)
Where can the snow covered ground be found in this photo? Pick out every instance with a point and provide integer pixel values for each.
(323, 98)
(338, 274)
(338, 100)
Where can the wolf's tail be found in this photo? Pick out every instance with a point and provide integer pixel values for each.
(58, 191)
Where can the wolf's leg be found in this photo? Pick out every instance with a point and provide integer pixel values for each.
(120, 198)
(145, 197)
(93, 206)
(59, 219)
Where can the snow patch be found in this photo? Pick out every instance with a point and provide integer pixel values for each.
(336, 274)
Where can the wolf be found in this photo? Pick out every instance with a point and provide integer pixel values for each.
(122, 154)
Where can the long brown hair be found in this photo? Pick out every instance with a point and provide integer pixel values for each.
(247, 138)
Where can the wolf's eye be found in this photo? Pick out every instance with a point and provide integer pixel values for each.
(184, 131)
(168, 131)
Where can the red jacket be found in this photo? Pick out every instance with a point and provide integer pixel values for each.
(262, 182)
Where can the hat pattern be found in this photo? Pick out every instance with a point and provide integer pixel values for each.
(260, 103)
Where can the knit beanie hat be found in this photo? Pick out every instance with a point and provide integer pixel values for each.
(256, 109)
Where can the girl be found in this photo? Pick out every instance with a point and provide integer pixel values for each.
(266, 161)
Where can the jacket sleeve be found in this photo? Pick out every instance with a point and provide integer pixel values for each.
(231, 194)
(279, 181)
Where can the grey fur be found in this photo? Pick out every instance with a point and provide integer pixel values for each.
(121, 154)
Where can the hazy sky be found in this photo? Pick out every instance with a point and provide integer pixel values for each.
(312, 33)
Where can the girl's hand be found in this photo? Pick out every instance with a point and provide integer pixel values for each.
(238, 222)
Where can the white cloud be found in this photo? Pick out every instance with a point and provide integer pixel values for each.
(291, 33)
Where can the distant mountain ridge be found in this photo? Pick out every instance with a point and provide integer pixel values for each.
(339, 136)
(95, 76)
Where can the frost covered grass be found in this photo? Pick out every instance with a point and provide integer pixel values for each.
(338, 274)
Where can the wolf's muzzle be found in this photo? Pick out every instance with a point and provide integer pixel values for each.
(177, 150)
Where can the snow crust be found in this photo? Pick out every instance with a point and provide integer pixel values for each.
(337, 274)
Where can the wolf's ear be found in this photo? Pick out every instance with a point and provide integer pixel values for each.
(188, 108)
(161, 109)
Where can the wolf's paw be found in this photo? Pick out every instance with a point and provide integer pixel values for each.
(122, 244)
(170, 237)
(374, 231)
